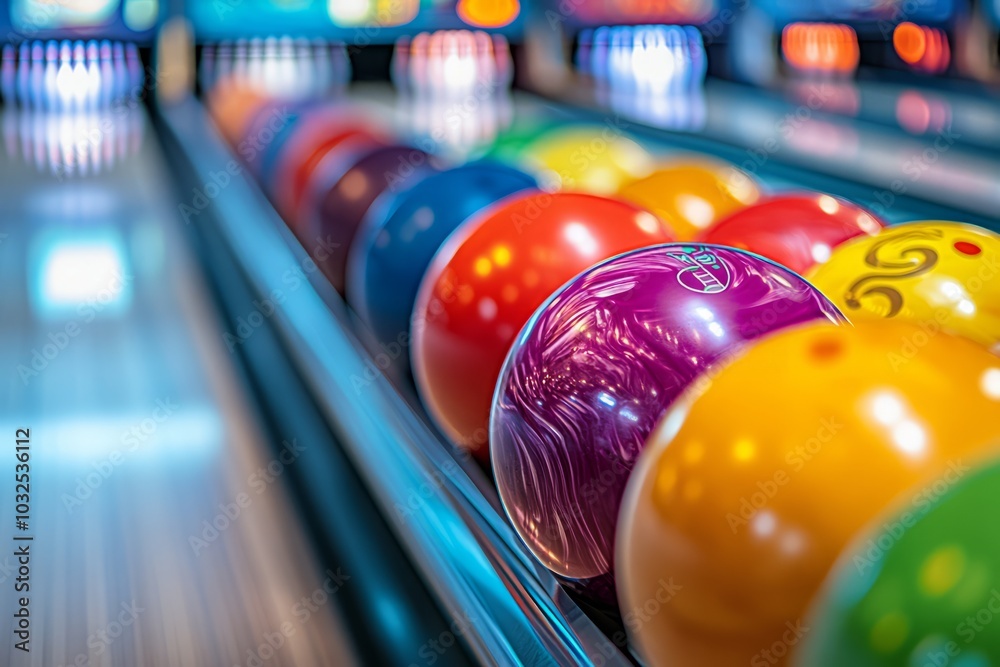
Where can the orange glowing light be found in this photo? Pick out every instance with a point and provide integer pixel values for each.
(910, 41)
(821, 47)
(488, 13)
(922, 47)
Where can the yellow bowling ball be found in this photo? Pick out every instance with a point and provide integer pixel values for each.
(595, 159)
(746, 493)
(939, 275)
(692, 196)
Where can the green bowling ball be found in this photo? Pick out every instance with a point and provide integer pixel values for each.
(510, 145)
(923, 589)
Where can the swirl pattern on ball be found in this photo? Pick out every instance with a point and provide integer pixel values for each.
(596, 366)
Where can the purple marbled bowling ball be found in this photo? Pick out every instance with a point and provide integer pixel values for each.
(596, 366)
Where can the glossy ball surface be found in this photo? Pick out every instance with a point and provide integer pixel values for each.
(595, 368)
(510, 144)
(488, 279)
(384, 171)
(395, 245)
(747, 493)
(273, 125)
(692, 196)
(233, 104)
(917, 588)
(798, 231)
(595, 159)
(322, 137)
(937, 275)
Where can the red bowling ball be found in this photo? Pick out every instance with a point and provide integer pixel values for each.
(796, 230)
(319, 138)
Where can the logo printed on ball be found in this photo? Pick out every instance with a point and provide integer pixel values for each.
(910, 268)
(705, 274)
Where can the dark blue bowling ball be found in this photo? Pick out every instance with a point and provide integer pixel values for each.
(288, 119)
(396, 243)
(271, 127)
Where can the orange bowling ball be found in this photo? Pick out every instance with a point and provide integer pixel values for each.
(488, 279)
(233, 104)
(749, 490)
(692, 196)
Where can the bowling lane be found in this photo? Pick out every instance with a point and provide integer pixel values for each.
(899, 177)
(771, 135)
(158, 506)
(927, 107)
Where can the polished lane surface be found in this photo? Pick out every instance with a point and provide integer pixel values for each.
(159, 510)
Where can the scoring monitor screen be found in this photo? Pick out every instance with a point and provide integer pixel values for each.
(58, 14)
(354, 21)
(927, 11)
(47, 19)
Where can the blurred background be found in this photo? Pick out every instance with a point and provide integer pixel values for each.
(232, 464)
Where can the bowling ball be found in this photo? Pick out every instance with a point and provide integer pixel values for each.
(487, 280)
(314, 179)
(384, 171)
(921, 587)
(940, 275)
(318, 137)
(510, 143)
(798, 231)
(692, 196)
(596, 159)
(595, 367)
(748, 490)
(394, 247)
(274, 123)
(233, 103)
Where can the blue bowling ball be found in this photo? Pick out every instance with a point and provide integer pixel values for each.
(397, 241)
(271, 127)
(286, 122)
